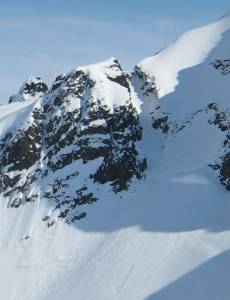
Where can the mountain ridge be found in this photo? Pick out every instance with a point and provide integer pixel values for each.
(112, 187)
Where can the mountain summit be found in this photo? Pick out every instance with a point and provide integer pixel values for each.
(114, 184)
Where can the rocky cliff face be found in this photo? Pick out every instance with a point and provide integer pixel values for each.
(33, 89)
(83, 134)
(77, 135)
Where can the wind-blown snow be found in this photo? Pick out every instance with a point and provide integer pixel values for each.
(187, 51)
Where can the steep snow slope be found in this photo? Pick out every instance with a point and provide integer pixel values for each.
(187, 51)
(150, 239)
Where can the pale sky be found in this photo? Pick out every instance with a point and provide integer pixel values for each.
(45, 38)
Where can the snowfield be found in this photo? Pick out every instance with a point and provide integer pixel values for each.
(187, 51)
(168, 236)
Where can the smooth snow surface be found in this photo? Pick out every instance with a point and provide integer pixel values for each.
(187, 51)
(168, 237)
(112, 95)
(12, 115)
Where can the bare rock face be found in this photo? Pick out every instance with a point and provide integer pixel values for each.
(223, 65)
(20, 151)
(32, 89)
(82, 135)
(76, 137)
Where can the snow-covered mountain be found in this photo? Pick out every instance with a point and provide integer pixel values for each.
(114, 184)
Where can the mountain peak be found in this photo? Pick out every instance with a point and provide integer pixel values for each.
(101, 68)
(33, 88)
(98, 172)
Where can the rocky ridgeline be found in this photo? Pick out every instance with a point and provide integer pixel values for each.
(82, 136)
(72, 141)
(33, 89)
(222, 120)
